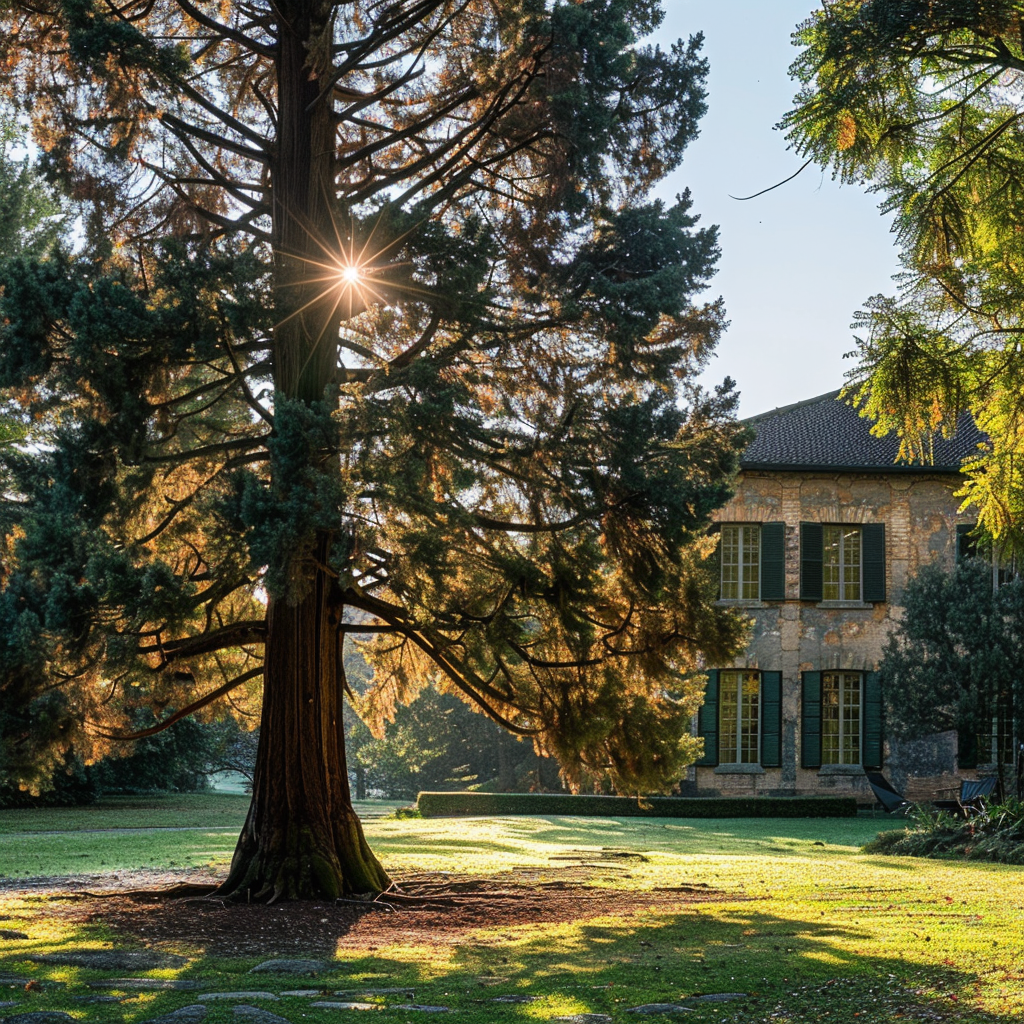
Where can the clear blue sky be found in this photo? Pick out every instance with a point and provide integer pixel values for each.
(798, 262)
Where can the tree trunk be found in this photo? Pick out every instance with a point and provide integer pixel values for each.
(302, 839)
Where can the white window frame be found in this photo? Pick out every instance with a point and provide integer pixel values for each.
(844, 584)
(846, 682)
(742, 563)
(731, 681)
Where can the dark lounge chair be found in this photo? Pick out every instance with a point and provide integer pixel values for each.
(973, 796)
(884, 793)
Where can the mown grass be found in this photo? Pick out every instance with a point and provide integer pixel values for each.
(810, 932)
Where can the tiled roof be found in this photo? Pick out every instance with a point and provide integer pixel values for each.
(825, 433)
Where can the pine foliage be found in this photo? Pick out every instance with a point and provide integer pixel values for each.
(487, 436)
(921, 101)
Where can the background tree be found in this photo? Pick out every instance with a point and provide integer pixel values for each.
(953, 660)
(922, 101)
(374, 329)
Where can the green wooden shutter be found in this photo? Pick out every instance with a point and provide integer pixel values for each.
(771, 719)
(773, 561)
(872, 537)
(811, 557)
(872, 757)
(966, 544)
(707, 720)
(810, 725)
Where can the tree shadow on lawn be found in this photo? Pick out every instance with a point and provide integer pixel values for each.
(793, 968)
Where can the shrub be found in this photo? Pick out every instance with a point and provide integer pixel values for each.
(437, 805)
(996, 834)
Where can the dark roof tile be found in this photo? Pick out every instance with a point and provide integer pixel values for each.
(825, 433)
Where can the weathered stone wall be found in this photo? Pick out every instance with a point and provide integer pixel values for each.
(793, 636)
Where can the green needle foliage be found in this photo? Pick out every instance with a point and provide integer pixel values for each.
(921, 101)
(375, 329)
(955, 655)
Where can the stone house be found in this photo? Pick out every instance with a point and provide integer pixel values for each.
(816, 547)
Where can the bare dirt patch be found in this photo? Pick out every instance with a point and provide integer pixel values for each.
(429, 909)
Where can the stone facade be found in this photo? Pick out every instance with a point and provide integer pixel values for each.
(794, 636)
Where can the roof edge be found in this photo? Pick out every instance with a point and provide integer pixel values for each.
(803, 467)
(789, 408)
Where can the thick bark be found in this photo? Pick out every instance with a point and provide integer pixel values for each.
(302, 839)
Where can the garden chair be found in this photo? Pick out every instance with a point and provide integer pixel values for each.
(973, 796)
(884, 793)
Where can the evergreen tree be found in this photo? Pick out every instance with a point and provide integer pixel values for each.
(375, 329)
(920, 100)
(953, 660)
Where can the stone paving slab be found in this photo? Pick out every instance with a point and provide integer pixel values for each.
(586, 1018)
(717, 997)
(240, 995)
(304, 992)
(361, 993)
(258, 1016)
(111, 959)
(659, 1009)
(290, 967)
(347, 1006)
(185, 1015)
(420, 1008)
(39, 1017)
(515, 999)
(147, 984)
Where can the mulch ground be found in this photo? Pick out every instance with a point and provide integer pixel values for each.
(429, 909)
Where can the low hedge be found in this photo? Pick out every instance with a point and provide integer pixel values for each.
(458, 805)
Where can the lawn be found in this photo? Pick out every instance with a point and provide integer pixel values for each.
(805, 926)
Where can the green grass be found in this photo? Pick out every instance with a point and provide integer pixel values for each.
(812, 932)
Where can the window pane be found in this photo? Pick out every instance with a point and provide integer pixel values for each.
(728, 715)
(751, 562)
(850, 752)
(751, 718)
(851, 566)
(739, 717)
(830, 721)
(730, 562)
(830, 570)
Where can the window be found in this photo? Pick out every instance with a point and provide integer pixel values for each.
(741, 562)
(994, 745)
(971, 544)
(840, 717)
(841, 563)
(739, 709)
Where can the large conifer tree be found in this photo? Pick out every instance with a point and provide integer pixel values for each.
(374, 327)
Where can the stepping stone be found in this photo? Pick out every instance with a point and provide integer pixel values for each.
(717, 997)
(237, 996)
(258, 1016)
(305, 992)
(290, 967)
(515, 999)
(6, 933)
(347, 1006)
(97, 999)
(39, 1017)
(659, 1009)
(419, 1008)
(186, 1015)
(586, 1018)
(111, 959)
(362, 993)
(146, 984)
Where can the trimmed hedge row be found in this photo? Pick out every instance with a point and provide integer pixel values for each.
(458, 805)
